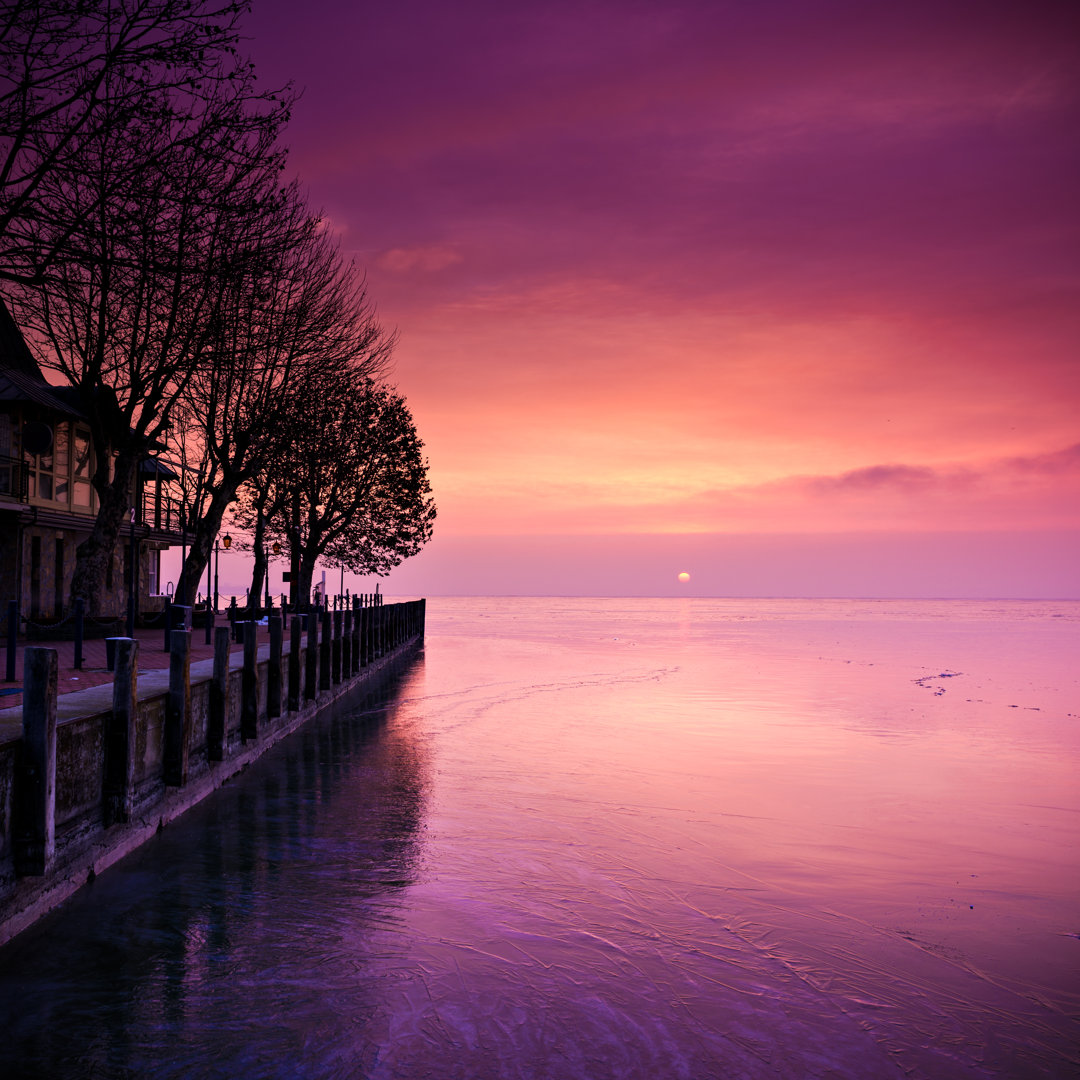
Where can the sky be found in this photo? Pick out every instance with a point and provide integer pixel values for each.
(781, 295)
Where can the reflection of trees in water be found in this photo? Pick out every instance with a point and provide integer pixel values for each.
(243, 923)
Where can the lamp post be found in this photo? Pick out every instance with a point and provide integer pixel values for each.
(226, 543)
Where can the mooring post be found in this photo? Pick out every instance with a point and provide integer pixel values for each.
(354, 643)
(311, 657)
(324, 653)
(335, 646)
(12, 633)
(79, 604)
(296, 629)
(178, 706)
(35, 777)
(217, 721)
(273, 667)
(249, 685)
(346, 639)
(118, 785)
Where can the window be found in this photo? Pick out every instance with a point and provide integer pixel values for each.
(81, 471)
(154, 563)
(61, 463)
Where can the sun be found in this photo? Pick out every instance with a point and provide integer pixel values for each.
(684, 577)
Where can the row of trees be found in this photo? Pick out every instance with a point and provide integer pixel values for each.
(152, 249)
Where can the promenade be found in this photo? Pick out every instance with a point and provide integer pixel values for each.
(94, 672)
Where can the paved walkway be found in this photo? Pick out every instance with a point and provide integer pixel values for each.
(152, 657)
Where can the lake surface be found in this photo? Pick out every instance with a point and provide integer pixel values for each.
(614, 839)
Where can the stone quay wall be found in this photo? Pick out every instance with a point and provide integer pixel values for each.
(79, 794)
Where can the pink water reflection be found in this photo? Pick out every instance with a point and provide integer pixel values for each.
(810, 842)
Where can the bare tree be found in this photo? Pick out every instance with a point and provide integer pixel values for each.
(69, 73)
(173, 181)
(295, 308)
(352, 487)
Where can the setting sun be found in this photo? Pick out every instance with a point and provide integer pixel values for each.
(684, 576)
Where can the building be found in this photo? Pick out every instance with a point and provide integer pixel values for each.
(48, 503)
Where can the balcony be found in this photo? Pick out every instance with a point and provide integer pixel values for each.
(161, 514)
(14, 479)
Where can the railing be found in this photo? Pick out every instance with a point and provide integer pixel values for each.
(14, 478)
(161, 513)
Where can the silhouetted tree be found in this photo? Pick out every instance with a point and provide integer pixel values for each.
(351, 487)
(70, 72)
(296, 308)
(173, 182)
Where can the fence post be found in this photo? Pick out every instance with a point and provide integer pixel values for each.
(35, 782)
(295, 630)
(311, 657)
(273, 667)
(118, 785)
(346, 640)
(12, 634)
(218, 720)
(335, 646)
(249, 685)
(178, 706)
(324, 652)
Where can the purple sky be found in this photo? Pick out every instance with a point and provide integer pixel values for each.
(674, 278)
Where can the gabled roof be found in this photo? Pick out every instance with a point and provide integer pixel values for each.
(14, 352)
(20, 376)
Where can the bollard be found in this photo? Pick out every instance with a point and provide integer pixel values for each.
(218, 720)
(118, 782)
(249, 686)
(335, 648)
(295, 631)
(311, 657)
(34, 839)
(177, 735)
(273, 668)
(79, 605)
(324, 653)
(346, 642)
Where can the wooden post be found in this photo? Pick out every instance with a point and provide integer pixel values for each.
(218, 721)
(118, 784)
(178, 709)
(35, 778)
(324, 654)
(311, 658)
(335, 647)
(355, 645)
(346, 641)
(273, 667)
(295, 632)
(249, 685)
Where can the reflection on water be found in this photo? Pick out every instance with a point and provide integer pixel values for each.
(614, 839)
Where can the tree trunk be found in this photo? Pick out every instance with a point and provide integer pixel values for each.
(202, 543)
(258, 573)
(307, 572)
(93, 554)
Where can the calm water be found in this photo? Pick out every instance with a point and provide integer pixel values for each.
(615, 839)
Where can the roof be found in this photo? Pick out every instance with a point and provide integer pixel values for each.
(20, 376)
(15, 355)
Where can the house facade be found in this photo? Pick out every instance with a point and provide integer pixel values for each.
(48, 503)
